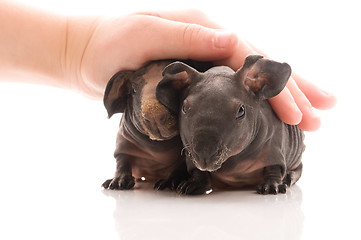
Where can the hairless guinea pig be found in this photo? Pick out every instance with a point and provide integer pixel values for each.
(231, 136)
(148, 143)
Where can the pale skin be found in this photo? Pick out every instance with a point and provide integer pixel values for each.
(82, 53)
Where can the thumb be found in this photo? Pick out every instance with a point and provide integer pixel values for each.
(176, 40)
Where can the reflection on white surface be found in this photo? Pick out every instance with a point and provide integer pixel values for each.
(147, 214)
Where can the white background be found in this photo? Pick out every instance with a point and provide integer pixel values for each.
(56, 146)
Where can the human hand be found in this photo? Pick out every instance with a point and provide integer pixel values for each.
(129, 42)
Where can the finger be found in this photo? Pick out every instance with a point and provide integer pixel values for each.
(165, 39)
(185, 16)
(286, 108)
(310, 121)
(242, 50)
(282, 104)
(318, 98)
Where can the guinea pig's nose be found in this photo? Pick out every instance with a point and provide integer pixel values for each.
(162, 118)
(159, 119)
(206, 157)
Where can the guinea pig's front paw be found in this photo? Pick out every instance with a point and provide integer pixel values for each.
(198, 183)
(271, 187)
(125, 182)
(170, 183)
(173, 181)
(192, 188)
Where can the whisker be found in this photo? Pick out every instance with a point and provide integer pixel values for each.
(223, 155)
(185, 149)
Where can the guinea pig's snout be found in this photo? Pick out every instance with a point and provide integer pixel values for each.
(157, 121)
(206, 158)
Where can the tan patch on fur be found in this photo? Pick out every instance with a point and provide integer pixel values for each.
(151, 109)
(152, 78)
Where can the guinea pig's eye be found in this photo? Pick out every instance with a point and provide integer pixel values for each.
(184, 109)
(185, 106)
(241, 112)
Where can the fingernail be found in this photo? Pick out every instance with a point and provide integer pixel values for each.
(223, 39)
(326, 93)
(328, 101)
(310, 112)
(311, 121)
(298, 115)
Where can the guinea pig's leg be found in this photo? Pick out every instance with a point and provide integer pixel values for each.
(178, 175)
(272, 181)
(123, 179)
(293, 176)
(198, 183)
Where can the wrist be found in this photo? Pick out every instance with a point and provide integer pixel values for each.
(79, 34)
(31, 45)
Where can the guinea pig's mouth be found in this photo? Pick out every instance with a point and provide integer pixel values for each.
(159, 134)
(210, 164)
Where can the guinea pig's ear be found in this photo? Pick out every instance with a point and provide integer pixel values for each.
(176, 77)
(116, 92)
(264, 77)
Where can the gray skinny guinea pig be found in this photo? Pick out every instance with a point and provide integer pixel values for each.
(231, 136)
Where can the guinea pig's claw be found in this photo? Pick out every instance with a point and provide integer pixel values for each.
(107, 183)
(198, 183)
(120, 183)
(162, 184)
(191, 187)
(172, 183)
(272, 188)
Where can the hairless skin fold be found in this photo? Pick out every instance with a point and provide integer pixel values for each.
(232, 139)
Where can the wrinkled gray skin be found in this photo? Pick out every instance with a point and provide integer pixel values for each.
(148, 143)
(231, 136)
